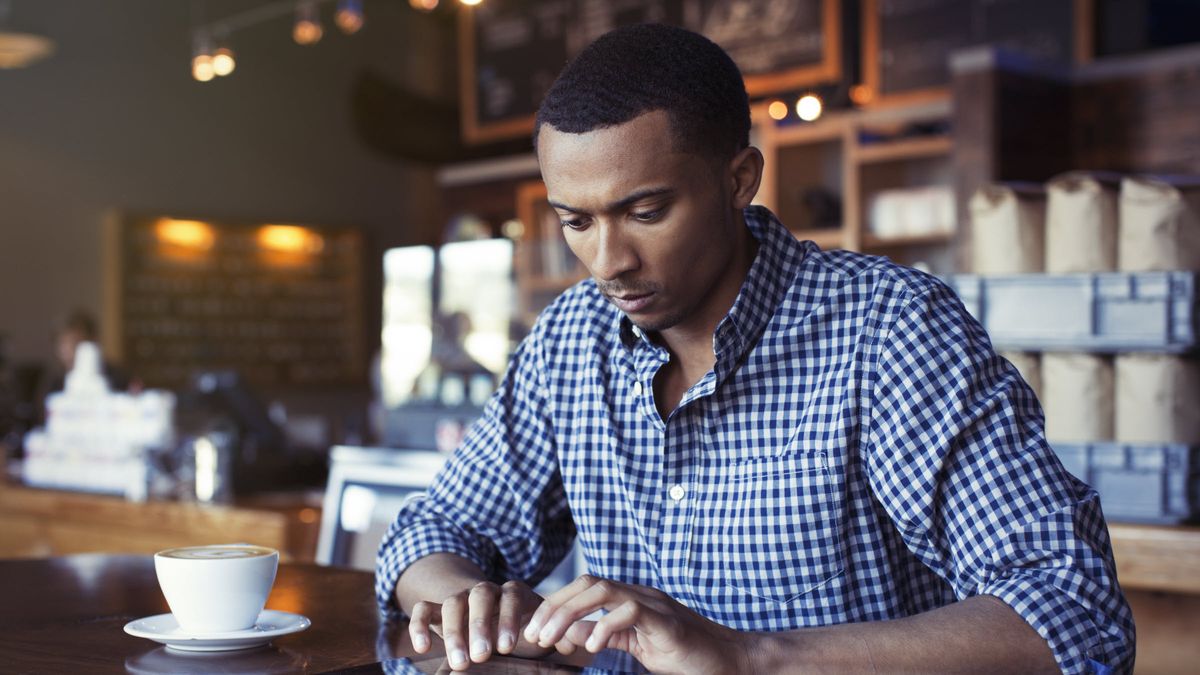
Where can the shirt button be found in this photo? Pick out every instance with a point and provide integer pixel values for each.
(637, 332)
(677, 492)
(637, 389)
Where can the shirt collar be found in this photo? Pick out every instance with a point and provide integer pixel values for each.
(761, 292)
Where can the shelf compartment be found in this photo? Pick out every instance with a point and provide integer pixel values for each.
(902, 150)
(825, 238)
(1103, 312)
(1138, 483)
(872, 241)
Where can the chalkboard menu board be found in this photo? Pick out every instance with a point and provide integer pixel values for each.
(907, 43)
(511, 50)
(280, 304)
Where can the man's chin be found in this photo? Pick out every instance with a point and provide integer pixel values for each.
(651, 323)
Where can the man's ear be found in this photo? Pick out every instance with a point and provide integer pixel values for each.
(745, 172)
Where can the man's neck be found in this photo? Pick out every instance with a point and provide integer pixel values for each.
(691, 344)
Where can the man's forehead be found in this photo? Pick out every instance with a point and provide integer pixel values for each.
(605, 166)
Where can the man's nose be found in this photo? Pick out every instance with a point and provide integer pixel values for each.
(614, 254)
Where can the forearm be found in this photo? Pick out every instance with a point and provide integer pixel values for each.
(434, 578)
(979, 634)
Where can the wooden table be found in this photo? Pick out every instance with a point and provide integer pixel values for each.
(66, 615)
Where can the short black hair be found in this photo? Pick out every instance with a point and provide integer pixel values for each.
(81, 323)
(646, 67)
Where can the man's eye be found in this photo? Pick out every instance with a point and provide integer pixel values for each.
(647, 216)
(574, 223)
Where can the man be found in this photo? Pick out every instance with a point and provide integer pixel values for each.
(777, 459)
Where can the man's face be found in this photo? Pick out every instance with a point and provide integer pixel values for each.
(657, 228)
(67, 342)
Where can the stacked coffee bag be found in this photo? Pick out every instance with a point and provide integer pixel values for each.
(1081, 223)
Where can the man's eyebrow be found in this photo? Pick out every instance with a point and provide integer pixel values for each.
(623, 202)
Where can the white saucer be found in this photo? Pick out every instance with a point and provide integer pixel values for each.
(163, 628)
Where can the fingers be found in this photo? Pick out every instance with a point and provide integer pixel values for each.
(549, 624)
(474, 623)
(579, 632)
(423, 616)
(622, 618)
(508, 624)
(455, 614)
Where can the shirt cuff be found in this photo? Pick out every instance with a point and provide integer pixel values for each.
(406, 544)
(1066, 626)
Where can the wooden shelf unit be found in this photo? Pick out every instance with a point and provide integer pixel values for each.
(1157, 557)
(537, 286)
(829, 155)
(897, 151)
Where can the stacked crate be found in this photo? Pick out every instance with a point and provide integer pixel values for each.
(1088, 285)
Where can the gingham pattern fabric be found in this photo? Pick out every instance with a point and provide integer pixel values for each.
(858, 453)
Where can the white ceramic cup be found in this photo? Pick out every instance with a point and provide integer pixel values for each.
(216, 589)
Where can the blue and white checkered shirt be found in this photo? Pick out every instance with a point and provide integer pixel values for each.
(857, 453)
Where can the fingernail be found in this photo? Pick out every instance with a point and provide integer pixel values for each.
(420, 642)
(458, 658)
(506, 642)
(530, 633)
(592, 643)
(479, 647)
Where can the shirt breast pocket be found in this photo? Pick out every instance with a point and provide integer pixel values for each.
(782, 526)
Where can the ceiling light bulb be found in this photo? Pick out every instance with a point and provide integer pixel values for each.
(861, 94)
(223, 61)
(777, 110)
(202, 61)
(809, 107)
(307, 29)
(349, 17)
(470, 3)
(424, 5)
(202, 68)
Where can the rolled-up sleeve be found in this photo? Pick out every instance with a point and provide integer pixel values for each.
(498, 502)
(957, 456)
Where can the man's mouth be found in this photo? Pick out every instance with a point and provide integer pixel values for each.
(631, 302)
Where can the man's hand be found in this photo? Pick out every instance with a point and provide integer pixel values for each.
(658, 631)
(486, 617)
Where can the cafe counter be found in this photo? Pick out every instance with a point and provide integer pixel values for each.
(37, 522)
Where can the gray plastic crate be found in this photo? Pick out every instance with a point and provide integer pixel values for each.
(1109, 312)
(1138, 483)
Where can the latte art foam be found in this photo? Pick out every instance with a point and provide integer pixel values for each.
(217, 552)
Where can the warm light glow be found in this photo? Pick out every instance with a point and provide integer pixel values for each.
(290, 239)
(349, 17)
(861, 94)
(778, 110)
(191, 234)
(424, 5)
(202, 68)
(308, 29)
(223, 62)
(470, 3)
(513, 229)
(809, 107)
(18, 50)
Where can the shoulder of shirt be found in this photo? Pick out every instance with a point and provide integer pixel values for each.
(875, 272)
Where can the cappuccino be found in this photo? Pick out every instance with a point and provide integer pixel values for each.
(219, 552)
(216, 589)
